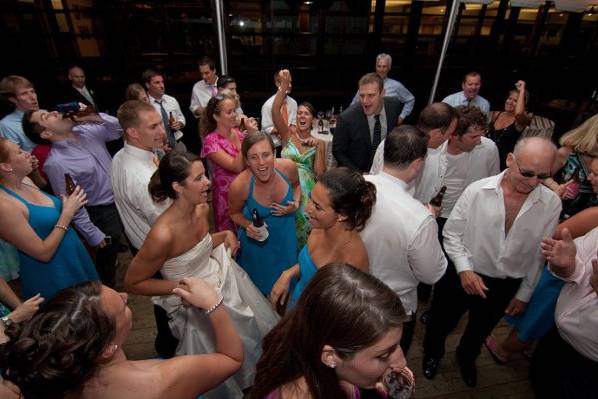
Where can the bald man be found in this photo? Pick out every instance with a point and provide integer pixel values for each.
(78, 90)
(492, 238)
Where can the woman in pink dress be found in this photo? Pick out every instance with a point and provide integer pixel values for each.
(222, 149)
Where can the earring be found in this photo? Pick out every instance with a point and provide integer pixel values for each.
(115, 347)
(11, 170)
(332, 365)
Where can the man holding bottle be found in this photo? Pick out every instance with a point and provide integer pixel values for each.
(79, 150)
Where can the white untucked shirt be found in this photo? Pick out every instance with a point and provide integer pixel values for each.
(474, 234)
(132, 169)
(268, 125)
(401, 237)
(201, 94)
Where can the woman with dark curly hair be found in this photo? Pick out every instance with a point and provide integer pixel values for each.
(72, 348)
(343, 335)
(339, 205)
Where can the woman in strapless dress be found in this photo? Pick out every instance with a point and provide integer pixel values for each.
(179, 245)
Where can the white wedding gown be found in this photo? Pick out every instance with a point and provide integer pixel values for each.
(250, 312)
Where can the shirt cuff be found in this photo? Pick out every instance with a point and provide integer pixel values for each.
(462, 263)
(96, 238)
(524, 294)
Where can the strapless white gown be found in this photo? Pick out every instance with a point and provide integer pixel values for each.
(250, 312)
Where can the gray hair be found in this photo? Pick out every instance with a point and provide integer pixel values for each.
(384, 56)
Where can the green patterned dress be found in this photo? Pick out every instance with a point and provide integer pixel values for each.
(307, 179)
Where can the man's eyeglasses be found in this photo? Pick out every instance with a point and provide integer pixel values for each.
(528, 174)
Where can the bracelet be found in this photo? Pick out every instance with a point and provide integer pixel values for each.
(213, 308)
(61, 227)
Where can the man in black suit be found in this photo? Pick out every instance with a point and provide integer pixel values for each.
(78, 91)
(361, 128)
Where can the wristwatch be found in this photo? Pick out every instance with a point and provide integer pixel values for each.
(6, 321)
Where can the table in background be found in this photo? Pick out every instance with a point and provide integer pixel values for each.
(327, 139)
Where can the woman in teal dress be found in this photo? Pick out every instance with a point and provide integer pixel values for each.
(51, 255)
(271, 187)
(340, 204)
(300, 147)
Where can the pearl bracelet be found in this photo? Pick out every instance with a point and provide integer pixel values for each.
(61, 227)
(213, 308)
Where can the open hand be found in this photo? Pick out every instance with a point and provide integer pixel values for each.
(473, 284)
(280, 210)
(560, 254)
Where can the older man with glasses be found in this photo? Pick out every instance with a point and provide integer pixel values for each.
(492, 238)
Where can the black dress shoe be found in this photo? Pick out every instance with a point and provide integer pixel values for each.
(469, 373)
(430, 366)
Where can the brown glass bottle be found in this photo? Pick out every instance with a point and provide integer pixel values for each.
(69, 184)
(437, 200)
(242, 126)
(170, 119)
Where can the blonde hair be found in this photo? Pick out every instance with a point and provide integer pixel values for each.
(584, 138)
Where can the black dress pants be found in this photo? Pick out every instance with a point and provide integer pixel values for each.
(450, 302)
(106, 218)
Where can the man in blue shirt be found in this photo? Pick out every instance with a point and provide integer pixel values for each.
(469, 95)
(20, 92)
(392, 88)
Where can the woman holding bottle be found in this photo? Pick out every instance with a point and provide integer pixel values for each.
(300, 147)
(270, 186)
(51, 254)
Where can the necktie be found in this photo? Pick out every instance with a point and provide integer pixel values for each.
(285, 113)
(169, 132)
(214, 90)
(377, 133)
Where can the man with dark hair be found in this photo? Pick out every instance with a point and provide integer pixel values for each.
(392, 88)
(469, 95)
(80, 150)
(168, 108)
(204, 89)
(288, 111)
(133, 167)
(20, 92)
(437, 121)
(492, 239)
(401, 235)
(363, 126)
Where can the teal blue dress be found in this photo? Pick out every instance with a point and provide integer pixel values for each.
(265, 261)
(307, 269)
(70, 265)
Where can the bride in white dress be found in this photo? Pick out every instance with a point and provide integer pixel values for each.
(179, 245)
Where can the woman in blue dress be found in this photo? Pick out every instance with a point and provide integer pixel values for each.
(270, 186)
(340, 204)
(51, 255)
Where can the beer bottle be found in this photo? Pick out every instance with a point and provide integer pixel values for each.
(242, 125)
(437, 200)
(258, 223)
(171, 119)
(69, 184)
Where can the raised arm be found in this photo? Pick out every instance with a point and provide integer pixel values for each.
(281, 127)
(150, 258)
(521, 119)
(189, 376)
(15, 227)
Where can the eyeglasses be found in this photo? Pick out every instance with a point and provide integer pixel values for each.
(528, 174)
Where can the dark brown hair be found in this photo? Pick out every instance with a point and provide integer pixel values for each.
(470, 115)
(350, 195)
(57, 351)
(214, 107)
(436, 116)
(342, 307)
(33, 130)
(174, 167)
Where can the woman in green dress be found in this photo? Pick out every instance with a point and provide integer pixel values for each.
(300, 147)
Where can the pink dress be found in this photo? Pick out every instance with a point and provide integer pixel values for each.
(221, 178)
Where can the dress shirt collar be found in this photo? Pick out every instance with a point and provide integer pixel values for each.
(157, 100)
(382, 113)
(394, 180)
(534, 196)
(138, 153)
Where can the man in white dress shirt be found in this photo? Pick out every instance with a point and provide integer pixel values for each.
(288, 111)
(401, 235)
(167, 106)
(204, 89)
(392, 88)
(469, 95)
(132, 169)
(492, 238)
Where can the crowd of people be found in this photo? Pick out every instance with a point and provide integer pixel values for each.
(274, 275)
